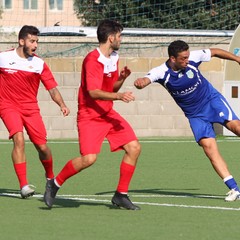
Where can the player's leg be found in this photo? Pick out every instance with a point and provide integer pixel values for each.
(91, 136)
(13, 122)
(127, 168)
(128, 165)
(20, 165)
(45, 156)
(205, 136)
(233, 126)
(222, 113)
(37, 133)
(210, 148)
(121, 136)
(71, 168)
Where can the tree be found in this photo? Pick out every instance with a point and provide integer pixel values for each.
(171, 14)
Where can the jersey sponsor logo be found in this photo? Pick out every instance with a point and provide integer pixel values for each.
(11, 63)
(186, 91)
(10, 71)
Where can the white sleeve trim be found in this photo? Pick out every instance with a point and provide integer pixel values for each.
(157, 73)
(200, 55)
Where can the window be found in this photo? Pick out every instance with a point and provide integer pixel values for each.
(7, 4)
(56, 4)
(30, 4)
(234, 92)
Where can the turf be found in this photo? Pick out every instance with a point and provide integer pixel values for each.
(180, 195)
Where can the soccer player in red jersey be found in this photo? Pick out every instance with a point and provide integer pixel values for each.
(21, 72)
(100, 82)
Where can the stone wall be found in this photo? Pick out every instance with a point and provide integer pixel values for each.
(153, 113)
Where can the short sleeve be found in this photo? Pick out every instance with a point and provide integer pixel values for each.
(47, 78)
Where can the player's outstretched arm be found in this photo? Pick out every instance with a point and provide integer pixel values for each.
(142, 82)
(220, 53)
(57, 98)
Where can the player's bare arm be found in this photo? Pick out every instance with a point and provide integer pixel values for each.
(220, 53)
(102, 95)
(124, 73)
(142, 82)
(57, 98)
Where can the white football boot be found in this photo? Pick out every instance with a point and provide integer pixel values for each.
(232, 195)
(27, 191)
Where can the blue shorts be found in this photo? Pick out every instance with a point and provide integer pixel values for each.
(216, 111)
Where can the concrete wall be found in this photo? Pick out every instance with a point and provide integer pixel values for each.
(153, 113)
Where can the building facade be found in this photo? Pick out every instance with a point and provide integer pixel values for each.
(41, 13)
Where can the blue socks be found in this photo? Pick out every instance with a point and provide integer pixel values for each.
(231, 183)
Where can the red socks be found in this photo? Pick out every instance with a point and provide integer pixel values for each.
(21, 171)
(48, 166)
(126, 173)
(67, 172)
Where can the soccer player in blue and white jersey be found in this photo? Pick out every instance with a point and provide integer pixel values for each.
(201, 103)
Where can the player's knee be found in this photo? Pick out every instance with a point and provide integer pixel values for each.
(134, 147)
(207, 143)
(18, 141)
(89, 160)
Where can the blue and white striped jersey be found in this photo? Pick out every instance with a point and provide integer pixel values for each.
(190, 90)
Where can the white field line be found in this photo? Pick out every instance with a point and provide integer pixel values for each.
(94, 198)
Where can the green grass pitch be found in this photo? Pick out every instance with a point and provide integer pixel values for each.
(180, 195)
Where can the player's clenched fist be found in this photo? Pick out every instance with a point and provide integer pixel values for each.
(141, 82)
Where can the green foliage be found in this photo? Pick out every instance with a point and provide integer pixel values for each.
(171, 14)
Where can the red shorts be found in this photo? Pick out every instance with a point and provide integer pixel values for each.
(112, 126)
(15, 119)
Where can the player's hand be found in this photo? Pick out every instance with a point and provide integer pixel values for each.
(141, 82)
(125, 97)
(65, 111)
(124, 73)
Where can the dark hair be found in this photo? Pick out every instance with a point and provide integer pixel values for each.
(106, 28)
(25, 30)
(176, 47)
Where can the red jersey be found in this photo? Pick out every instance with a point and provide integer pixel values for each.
(98, 72)
(20, 79)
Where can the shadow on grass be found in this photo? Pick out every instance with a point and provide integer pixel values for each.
(12, 193)
(71, 203)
